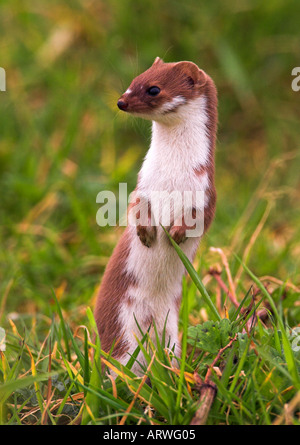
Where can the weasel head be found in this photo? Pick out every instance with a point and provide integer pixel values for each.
(163, 92)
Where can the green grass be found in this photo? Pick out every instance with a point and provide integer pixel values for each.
(62, 141)
(58, 382)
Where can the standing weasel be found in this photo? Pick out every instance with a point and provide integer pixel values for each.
(142, 281)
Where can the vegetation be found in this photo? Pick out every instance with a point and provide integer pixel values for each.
(62, 141)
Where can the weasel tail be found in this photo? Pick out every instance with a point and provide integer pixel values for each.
(175, 189)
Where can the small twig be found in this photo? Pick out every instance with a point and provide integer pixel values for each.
(45, 416)
(207, 396)
(227, 269)
(49, 389)
(259, 314)
(208, 390)
(208, 374)
(280, 282)
(216, 274)
(288, 411)
(143, 381)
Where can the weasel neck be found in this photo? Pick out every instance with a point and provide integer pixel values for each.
(184, 137)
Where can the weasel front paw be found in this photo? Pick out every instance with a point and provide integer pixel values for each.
(178, 233)
(146, 234)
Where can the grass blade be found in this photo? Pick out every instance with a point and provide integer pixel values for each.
(196, 279)
(185, 315)
(63, 325)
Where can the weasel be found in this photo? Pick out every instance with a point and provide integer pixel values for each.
(143, 278)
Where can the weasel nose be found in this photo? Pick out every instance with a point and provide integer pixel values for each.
(122, 104)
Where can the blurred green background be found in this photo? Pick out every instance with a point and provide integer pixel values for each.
(62, 139)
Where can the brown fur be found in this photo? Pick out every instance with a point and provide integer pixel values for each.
(114, 284)
(211, 94)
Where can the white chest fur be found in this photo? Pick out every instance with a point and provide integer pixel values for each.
(176, 150)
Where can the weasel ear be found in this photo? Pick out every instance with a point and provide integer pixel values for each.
(195, 76)
(158, 61)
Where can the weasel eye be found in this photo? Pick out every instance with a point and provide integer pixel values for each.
(190, 81)
(153, 91)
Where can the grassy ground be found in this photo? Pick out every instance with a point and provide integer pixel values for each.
(62, 141)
